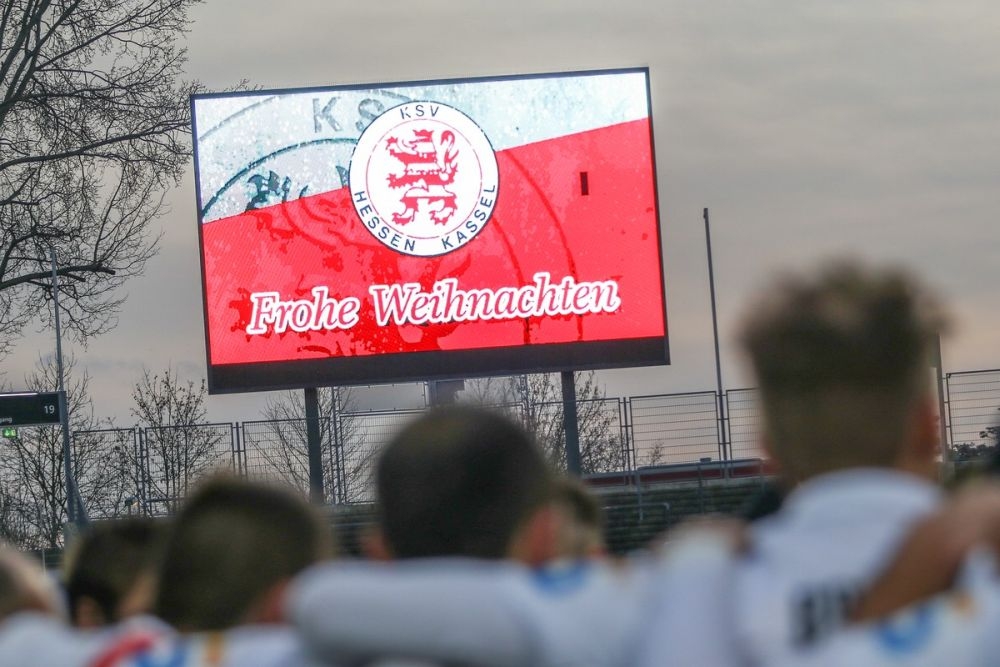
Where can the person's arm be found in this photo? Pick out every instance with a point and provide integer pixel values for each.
(929, 560)
(449, 610)
(486, 614)
(954, 630)
(689, 609)
(938, 601)
(31, 639)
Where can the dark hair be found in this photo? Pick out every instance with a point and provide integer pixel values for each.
(107, 559)
(233, 541)
(459, 481)
(841, 357)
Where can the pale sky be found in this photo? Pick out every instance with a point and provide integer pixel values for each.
(809, 129)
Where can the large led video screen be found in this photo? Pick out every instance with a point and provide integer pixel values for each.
(437, 229)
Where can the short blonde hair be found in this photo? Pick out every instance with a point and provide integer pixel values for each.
(841, 358)
(581, 534)
(24, 585)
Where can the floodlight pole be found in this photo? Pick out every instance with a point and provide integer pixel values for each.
(724, 453)
(570, 425)
(313, 445)
(75, 511)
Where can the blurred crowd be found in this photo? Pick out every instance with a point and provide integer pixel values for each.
(857, 554)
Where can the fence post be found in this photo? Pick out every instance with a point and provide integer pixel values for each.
(187, 457)
(236, 445)
(625, 419)
(701, 491)
(141, 472)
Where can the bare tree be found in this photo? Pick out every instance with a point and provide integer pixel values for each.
(14, 525)
(651, 455)
(33, 496)
(536, 400)
(991, 434)
(176, 443)
(94, 127)
(981, 451)
(278, 445)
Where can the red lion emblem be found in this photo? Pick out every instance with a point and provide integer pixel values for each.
(429, 161)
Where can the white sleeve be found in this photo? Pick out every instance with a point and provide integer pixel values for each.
(456, 611)
(451, 610)
(689, 608)
(959, 630)
(260, 646)
(31, 639)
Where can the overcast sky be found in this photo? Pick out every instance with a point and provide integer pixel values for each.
(809, 129)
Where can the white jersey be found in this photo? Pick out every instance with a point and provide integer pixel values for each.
(503, 615)
(959, 629)
(245, 646)
(809, 562)
(30, 639)
(35, 640)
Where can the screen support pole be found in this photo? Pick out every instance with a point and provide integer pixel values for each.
(313, 445)
(570, 425)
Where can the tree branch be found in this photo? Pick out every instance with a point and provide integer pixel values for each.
(64, 271)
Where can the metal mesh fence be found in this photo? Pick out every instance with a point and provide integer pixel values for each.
(544, 421)
(172, 458)
(33, 495)
(105, 471)
(150, 470)
(276, 450)
(974, 408)
(157, 466)
(745, 424)
(601, 426)
(604, 445)
(361, 436)
(349, 445)
(674, 428)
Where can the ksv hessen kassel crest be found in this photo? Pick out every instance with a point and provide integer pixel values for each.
(424, 179)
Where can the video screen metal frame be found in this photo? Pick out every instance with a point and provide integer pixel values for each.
(433, 365)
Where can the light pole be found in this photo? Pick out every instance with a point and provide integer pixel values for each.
(724, 452)
(75, 511)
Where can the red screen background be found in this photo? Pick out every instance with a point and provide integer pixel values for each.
(542, 222)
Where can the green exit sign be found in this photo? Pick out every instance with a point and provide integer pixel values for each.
(10, 433)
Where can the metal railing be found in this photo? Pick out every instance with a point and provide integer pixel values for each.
(617, 435)
(973, 408)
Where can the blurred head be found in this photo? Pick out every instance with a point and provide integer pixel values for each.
(24, 586)
(842, 360)
(233, 548)
(110, 571)
(581, 520)
(463, 481)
